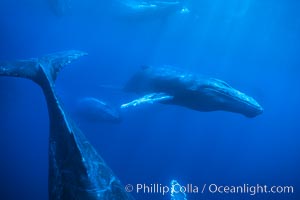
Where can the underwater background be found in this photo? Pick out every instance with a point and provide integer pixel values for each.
(253, 45)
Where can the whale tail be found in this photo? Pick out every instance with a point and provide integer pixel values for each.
(76, 170)
(32, 68)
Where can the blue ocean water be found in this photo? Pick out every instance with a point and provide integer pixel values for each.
(253, 45)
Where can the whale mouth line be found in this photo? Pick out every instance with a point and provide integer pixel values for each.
(247, 100)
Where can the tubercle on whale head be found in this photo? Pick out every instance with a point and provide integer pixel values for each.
(231, 99)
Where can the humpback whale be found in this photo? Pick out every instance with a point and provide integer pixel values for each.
(192, 91)
(76, 170)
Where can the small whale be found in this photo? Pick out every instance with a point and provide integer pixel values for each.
(192, 91)
(96, 110)
(76, 170)
(60, 7)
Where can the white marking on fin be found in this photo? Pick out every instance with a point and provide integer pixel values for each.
(149, 98)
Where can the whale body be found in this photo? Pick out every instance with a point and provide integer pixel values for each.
(76, 170)
(192, 91)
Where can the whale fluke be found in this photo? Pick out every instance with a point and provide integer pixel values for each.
(76, 170)
(51, 64)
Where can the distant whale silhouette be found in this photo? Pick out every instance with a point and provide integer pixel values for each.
(60, 7)
(192, 91)
(76, 170)
(151, 8)
(96, 110)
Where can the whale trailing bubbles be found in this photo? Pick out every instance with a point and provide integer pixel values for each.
(76, 170)
(177, 192)
(192, 91)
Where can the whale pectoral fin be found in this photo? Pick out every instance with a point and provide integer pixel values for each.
(148, 99)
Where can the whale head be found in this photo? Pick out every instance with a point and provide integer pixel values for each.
(223, 96)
